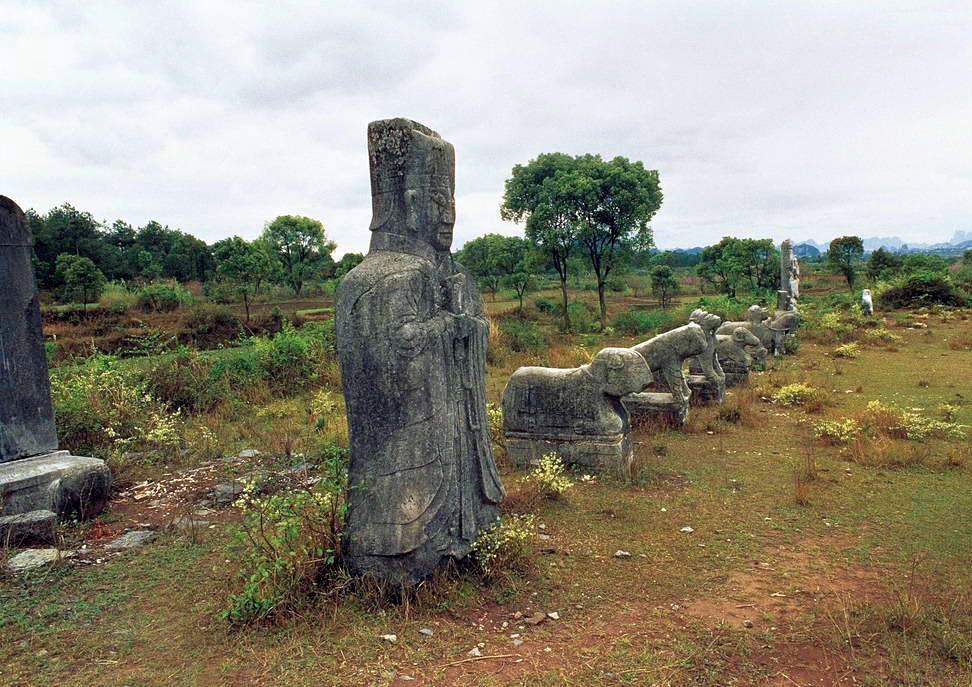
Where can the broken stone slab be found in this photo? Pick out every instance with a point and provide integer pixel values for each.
(132, 539)
(38, 526)
(35, 558)
(58, 482)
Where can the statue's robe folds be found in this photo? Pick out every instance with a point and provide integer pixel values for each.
(423, 482)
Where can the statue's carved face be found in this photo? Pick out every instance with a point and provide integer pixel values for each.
(441, 215)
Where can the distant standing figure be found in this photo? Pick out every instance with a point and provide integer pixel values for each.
(867, 305)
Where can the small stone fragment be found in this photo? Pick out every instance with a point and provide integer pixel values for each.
(427, 631)
(553, 615)
(747, 623)
(621, 553)
(517, 642)
(687, 530)
(35, 558)
(130, 540)
(391, 639)
(474, 652)
(535, 619)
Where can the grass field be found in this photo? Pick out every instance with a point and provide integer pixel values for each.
(807, 564)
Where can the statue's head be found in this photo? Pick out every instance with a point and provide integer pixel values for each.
(707, 320)
(620, 371)
(757, 314)
(413, 178)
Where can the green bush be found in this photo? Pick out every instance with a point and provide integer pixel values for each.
(638, 322)
(183, 381)
(616, 283)
(545, 306)
(583, 318)
(523, 335)
(286, 360)
(162, 297)
(921, 288)
(289, 545)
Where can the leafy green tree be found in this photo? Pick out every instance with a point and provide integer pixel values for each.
(723, 266)
(761, 263)
(882, 264)
(301, 246)
(615, 201)
(663, 283)
(541, 192)
(519, 266)
(480, 256)
(244, 267)
(83, 281)
(967, 256)
(347, 263)
(844, 254)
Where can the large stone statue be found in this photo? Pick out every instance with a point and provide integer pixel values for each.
(575, 413)
(666, 355)
(789, 292)
(754, 323)
(707, 380)
(411, 340)
(867, 303)
(38, 483)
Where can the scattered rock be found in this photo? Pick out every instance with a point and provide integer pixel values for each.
(34, 526)
(553, 615)
(474, 652)
(620, 553)
(535, 619)
(427, 631)
(391, 639)
(187, 523)
(747, 623)
(35, 558)
(248, 453)
(130, 540)
(225, 493)
(687, 530)
(517, 642)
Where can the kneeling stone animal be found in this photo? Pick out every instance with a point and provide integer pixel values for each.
(576, 412)
(737, 352)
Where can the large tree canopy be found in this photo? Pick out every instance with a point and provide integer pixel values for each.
(843, 254)
(302, 247)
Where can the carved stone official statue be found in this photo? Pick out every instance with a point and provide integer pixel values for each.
(411, 340)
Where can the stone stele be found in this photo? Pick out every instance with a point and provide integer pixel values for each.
(411, 339)
(789, 292)
(34, 475)
(576, 413)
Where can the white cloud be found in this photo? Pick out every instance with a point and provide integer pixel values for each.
(764, 119)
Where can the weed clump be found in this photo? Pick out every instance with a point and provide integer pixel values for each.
(848, 350)
(502, 547)
(549, 477)
(837, 432)
(795, 394)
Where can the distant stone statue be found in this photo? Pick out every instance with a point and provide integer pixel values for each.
(575, 413)
(666, 355)
(737, 353)
(411, 339)
(38, 483)
(867, 305)
(789, 292)
(756, 316)
(782, 324)
(707, 380)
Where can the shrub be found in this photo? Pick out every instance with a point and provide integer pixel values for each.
(209, 325)
(583, 319)
(848, 350)
(502, 546)
(638, 322)
(921, 288)
(286, 361)
(545, 306)
(549, 477)
(523, 335)
(837, 432)
(909, 424)
(162, 297)
(881, 334)
(616, 283)
(494, 414)
(795, 394)
(289, 545)
(183, 382)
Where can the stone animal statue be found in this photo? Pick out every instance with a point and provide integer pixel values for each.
(707, 380)
(737, 352)
(867, 304)
(781, 324)
(667, 353)
(754, 323)
(577, 412)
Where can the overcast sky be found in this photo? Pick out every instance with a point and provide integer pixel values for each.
(764, 119)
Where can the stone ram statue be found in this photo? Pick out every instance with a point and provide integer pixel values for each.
(737, 352)
(576, 413)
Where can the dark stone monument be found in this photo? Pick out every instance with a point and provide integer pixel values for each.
(26, 416)
(707, 380)
(35, 478)
(411, 339)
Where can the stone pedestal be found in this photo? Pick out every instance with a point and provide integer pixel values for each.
(704, 391)
(609, 451)
(58, 482)
(656, 405)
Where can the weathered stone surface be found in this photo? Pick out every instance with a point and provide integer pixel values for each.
(707, 381)
(36, 526)
(737, 352)
(867, 304)
(754, 322)
(411, 338)
(58, 481)
(789, 292)
(781, 324)
(35, 558)
(26, 415)
(666, 355)
(132, 539)
(576, 412)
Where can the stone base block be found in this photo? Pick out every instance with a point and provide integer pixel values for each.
(650, 405)
(612, 452)
(705, 391)
(37, 526)
(58, 482)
